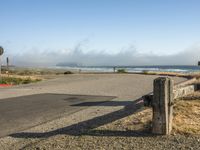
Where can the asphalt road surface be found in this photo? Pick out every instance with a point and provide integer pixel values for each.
(26, 111)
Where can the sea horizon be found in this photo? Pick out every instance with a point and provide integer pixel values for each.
(135, 69)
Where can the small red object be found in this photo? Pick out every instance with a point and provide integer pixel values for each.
(5, 85)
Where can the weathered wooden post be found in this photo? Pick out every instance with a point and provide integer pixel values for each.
(162, 105)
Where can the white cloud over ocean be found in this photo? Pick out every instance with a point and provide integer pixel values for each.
(129, 56)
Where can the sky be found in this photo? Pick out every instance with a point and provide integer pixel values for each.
(100, 32)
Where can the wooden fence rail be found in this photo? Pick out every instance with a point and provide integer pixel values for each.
(162, 100)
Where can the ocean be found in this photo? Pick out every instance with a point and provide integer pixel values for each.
(135, 69)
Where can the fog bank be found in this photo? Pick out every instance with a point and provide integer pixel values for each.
(131, 56)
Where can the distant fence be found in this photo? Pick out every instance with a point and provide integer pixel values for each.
(162, 100)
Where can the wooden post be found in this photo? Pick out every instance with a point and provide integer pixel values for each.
(162, 106)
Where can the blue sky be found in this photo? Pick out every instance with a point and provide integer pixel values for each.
(158, 27)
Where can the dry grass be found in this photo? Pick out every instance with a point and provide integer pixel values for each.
(34, 73)
(32, 77)
(18, 80)
(187, 115)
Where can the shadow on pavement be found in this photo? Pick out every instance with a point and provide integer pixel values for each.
(24, 112)
(87, 127)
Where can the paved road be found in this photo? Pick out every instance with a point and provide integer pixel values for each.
(26, 111)
(26, 106)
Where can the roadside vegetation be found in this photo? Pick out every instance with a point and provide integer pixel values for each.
(17, 81)
(16, 76)
(176, 74)
(121, 71)
(68, 72)
(145, 72)
(34, 71)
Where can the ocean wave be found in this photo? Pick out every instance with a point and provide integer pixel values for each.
(183, 69)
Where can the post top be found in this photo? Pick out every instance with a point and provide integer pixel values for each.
(163, 78)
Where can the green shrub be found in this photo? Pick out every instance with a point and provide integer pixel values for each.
(68, 72)
(145, 71)
(26, 81)
(121, 71)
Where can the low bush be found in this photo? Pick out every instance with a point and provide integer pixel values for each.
(121, 71)
(145, 72)
(68, 72)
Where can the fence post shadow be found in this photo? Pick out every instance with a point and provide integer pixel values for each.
(86, 127)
